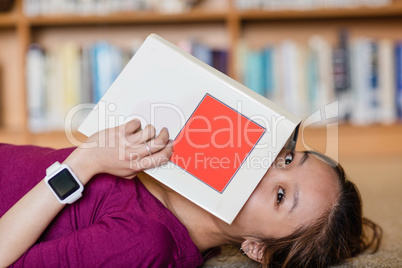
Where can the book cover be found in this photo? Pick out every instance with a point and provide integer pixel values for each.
(226, 136)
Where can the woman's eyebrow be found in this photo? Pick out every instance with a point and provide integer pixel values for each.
(303, 158)
(295, 199)
(296, 191)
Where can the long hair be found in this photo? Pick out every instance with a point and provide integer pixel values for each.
(340, 233)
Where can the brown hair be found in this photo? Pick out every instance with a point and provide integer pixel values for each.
(342, 232)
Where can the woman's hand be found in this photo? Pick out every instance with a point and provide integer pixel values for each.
(121, 151)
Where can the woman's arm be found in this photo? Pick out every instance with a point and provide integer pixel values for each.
(119, 151)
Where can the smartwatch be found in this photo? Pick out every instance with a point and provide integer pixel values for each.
(63, 183)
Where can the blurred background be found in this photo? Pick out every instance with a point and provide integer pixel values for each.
(337, 63)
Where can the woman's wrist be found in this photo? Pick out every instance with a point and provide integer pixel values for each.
(83, 164)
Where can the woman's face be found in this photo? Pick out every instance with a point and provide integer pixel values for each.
(297, 188)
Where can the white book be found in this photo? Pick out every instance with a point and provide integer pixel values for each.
(85, 77)
(357, 83)
(325, 84)
(171, 6)
(226, 136)
(36, 88)
(70, 56)
(362, 113)
(32, 8)
(54, 93)
(85, 7)
(386, 81)
(303, 101)
(377, 3)
(291, 77)
(277, 91)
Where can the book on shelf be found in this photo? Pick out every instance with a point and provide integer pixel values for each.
(296, 77)
(386, 81)
(36, 96)
(364, 87)
(254, 76)
(307, 4)
(107, 63)
(215, 57)
(225, 135)
(202, 52)
(361, 74)
(398, 67)
(1, 98)
(64, 76)
(220, 60)
(34, 8)
(321, 70)
(341, 74)
(69, 74)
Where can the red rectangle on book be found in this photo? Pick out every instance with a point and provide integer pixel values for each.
(214, 142)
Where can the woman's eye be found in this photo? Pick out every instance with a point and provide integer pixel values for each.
(280, 196)
(288, 158)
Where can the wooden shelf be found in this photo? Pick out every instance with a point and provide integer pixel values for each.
(13, 137)
(210, 16)
(353, 141)
(8, 19)
(57, 139)
(394, 10)
(128, 18)
(54, 139)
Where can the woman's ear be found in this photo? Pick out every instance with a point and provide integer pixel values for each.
(253, 250)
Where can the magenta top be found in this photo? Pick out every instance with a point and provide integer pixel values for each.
(117, 222)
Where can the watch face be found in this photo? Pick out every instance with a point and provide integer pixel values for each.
(63, 184)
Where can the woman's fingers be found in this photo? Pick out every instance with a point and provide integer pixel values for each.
(152, 146)
(146, 134)
(137, 137)
(156, 159)
(123, 151)
(145, 145)
(159, 142)
(132, 126)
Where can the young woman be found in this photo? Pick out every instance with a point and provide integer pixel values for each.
(304, 212)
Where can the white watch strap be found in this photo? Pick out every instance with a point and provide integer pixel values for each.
(50, 170)
(74, 198)
(54, 168)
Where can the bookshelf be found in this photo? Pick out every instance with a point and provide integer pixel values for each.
(215, 22)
